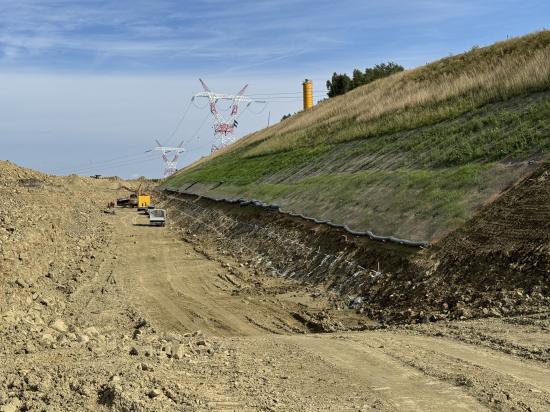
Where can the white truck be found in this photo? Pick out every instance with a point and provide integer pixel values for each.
(157, 217)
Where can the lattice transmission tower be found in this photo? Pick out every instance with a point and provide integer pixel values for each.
(224, 126)
(170, 166)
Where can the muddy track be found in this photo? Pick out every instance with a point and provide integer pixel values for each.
(183, 290)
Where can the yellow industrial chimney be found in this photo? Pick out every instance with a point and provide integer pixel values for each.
(308, 94)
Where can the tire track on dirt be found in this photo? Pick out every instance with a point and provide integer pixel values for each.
(176, 286)
(401, 386)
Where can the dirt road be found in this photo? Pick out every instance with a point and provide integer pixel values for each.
(180, 287)
(182, 290)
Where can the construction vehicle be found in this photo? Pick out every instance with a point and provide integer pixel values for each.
(137, 199)
(157, 217)
(123, 202)
(143, 201)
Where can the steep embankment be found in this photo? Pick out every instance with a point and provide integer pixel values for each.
(496, 264)
(413, 155)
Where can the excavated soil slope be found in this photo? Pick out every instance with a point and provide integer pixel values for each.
(497, 263)
(103, 312)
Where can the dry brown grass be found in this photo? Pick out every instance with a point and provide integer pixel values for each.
(428, 151)
(416, 97)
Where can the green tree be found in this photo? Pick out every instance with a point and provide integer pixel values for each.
(339, 84)
(342, 83)
(381, 70)
(357, 79)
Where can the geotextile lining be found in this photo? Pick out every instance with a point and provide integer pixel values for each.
(276, 208)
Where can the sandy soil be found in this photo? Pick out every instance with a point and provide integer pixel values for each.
(124, 316)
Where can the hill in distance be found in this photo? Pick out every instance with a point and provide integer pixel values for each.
(412, 155)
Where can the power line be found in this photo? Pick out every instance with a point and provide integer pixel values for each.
(196, 134)
(282, 98)
(285, 93)
(128, 163)
(115, 159)
(103, 165)
(256, 112)
(112, 165)
(119, 161)
(179, 123)
(289, 100)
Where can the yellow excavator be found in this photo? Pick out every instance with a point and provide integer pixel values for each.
(137, 198)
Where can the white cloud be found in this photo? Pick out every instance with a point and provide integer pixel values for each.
(62, 105)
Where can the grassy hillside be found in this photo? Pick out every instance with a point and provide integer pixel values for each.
(412, 155)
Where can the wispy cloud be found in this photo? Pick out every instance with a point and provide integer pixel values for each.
(120, 72)
(58, 32)
(174, 35)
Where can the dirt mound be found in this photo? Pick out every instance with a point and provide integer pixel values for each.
(497, 264)
(11, 173)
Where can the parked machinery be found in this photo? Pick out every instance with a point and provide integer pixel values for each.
(157, 217)
(137, 199)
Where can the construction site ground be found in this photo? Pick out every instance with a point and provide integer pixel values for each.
(125, 316)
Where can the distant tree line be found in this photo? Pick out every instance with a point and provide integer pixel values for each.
(342, 83)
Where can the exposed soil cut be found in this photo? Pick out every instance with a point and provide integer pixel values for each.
(497, 264)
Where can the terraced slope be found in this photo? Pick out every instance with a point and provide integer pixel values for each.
(413, 155)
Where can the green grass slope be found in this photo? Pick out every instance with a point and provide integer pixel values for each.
(413, 155)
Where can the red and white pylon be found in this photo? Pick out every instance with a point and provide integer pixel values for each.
(170, 166)
(224, 126)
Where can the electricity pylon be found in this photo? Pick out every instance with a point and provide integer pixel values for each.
(224, 126)
(170, 166)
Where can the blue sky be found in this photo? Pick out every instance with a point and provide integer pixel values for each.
(84, 82)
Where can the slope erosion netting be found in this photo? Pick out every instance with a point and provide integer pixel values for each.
(497, 264)
(413, 155)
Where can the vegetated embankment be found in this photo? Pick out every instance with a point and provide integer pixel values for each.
(496, 264)
(413, 155)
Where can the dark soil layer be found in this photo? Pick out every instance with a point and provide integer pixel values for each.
(496, 264)
(288, 246)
